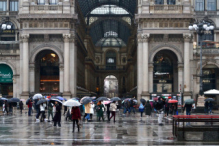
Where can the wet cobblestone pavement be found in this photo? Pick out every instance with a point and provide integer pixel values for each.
(22, 130)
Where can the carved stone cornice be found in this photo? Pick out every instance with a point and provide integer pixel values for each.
(66, 37)
(139, 38)
(187, 37)
(24, 37)
(145, 37)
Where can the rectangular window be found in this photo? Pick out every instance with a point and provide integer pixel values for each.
(53, 2)
(41, 2)
(199, 5)
(13, 5)
(171, 2)
(159, 2)
(211, 5)
(3, 5)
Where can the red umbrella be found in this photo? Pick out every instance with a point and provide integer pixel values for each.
(172, 101)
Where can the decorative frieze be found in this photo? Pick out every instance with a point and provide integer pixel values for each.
(24, 37)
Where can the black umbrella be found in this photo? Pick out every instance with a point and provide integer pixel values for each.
(102, 98)
(209, 99)
(115, 99)
(86, 101)
(14, 100)
(41, 101)
(143, 100)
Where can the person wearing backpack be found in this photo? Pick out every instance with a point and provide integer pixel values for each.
(141, 109)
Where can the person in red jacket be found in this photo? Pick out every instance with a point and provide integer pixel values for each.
(76, 116)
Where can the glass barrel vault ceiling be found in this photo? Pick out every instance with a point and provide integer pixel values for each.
(112, 17)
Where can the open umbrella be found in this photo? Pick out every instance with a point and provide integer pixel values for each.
(54, 100)
(37, 96)
(41, 101)
(3, 99)
(172, 101)
(142, 100)
(189, 101)
(86, 101)
(102, 99)
(106, 102)
(115, 99)
(71, 103)
(60, 98)
(84, 98)
(14, 100)
(209, 99)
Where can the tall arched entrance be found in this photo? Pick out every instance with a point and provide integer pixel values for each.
(6, 81)
(165, 74)
(47, 72)
(111, 86)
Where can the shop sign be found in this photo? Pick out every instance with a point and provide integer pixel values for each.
(8, 31)
(6, 74)
(161, 73)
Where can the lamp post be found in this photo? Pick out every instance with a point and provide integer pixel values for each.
(201, 28)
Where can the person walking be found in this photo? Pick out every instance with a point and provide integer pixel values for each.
(167, 107)
(108, 111)
(210, 105)
(100, 111)
(42, 111)
(132, 104)
(21, 106)
(141, 110)
(50, 112)
(91, 110)
(57, 117)
(87, 112)
(113, 108)
(65, 110)
(6, 107)
(76, 116)
(188, 108)
(30, 104)
(206, 107)
(159, 107)
(148, 110)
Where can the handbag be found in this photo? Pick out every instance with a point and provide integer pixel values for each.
(80, 123)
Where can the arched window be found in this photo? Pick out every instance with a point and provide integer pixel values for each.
(111, 60)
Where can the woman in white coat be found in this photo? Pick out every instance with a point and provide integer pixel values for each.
(113, 109)
(91, 110)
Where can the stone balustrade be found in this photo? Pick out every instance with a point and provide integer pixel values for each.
(46, 9)
(166, 9)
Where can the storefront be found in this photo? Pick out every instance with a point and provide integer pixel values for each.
(175, 96)
(6, 81)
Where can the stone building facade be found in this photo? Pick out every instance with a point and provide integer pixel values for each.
(148, 48)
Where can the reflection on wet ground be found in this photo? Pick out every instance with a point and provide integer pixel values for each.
(22, 130)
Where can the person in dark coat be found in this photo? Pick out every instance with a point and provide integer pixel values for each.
(108, 111)
(188, 108)
(76, 116)
(148, 109)
(21, 105)
(210, 105)
(206, 107)
(57, 117)
(6, 107)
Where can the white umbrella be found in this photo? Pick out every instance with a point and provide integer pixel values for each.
(212, 92)
(37, 96)
(71, 103)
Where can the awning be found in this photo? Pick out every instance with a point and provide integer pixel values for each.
(212, 92)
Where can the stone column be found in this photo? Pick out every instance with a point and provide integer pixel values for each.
(145, 90)
(66, 92)
(32, 78)
(73, 69)
(187, 77)
(151, 77)
(180, 77)
(139, 66)
(61, 78)
(25, 63)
